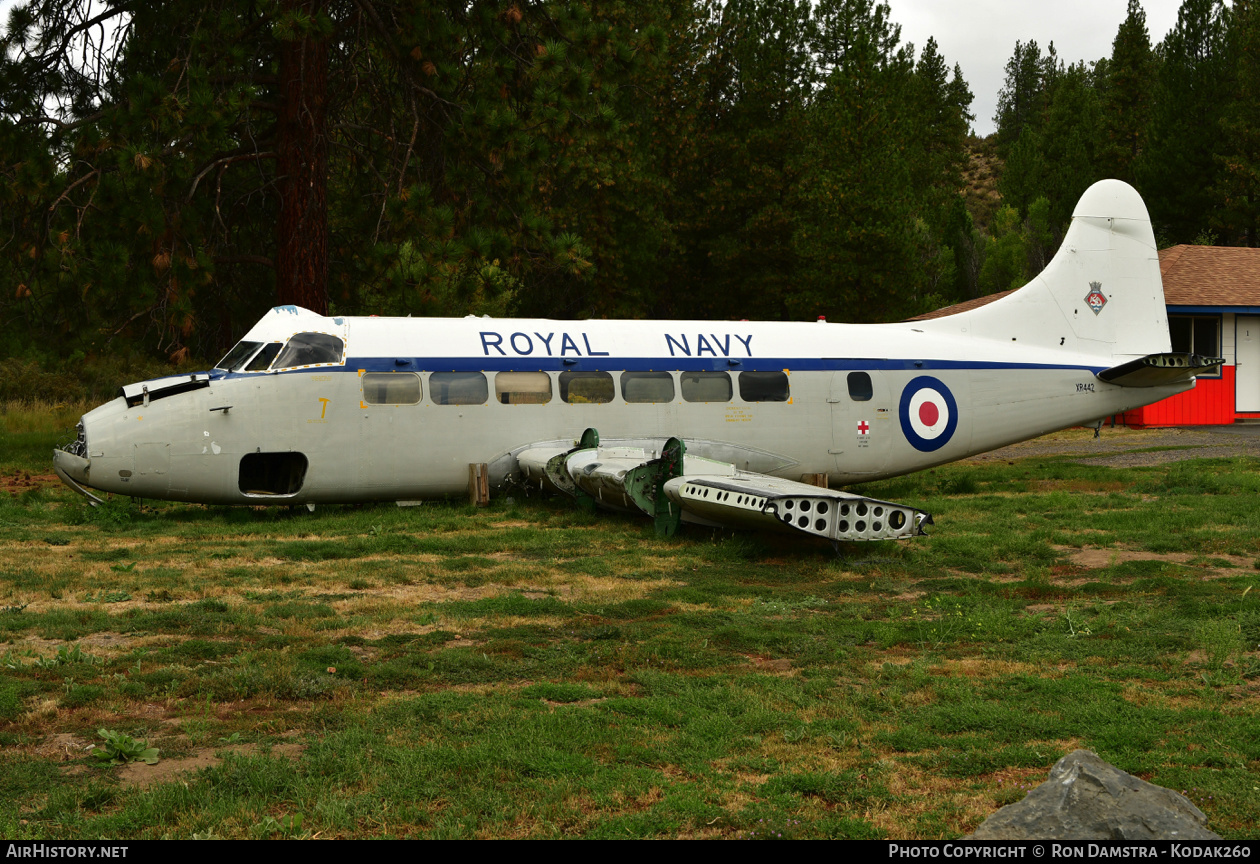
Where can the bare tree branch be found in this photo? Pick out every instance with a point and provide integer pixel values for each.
(226, 160)
(65, 194)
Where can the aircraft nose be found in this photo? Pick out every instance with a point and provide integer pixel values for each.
(72, 463)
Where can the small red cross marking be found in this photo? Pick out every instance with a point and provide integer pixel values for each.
(863, 427)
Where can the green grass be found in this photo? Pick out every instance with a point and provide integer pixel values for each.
(530, 670)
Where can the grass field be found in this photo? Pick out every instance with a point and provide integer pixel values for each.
(529, 670)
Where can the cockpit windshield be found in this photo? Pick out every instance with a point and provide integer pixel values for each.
(308, 349)
(238, 355)
(264, 357)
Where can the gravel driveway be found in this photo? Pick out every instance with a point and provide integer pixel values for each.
(1125, 448)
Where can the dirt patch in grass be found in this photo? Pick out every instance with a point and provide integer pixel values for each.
(107, 643)
(62, 747)
(1092, 559)
(138, 774)
(984, 667)
(23, 481)
(1152, 695)
(1086, 486)
(581, 703)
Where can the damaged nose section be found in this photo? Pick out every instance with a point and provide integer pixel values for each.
(72, 465)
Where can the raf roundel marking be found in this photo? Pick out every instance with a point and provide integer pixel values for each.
(928, 413)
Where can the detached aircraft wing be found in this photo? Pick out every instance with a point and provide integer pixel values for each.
(673, 487)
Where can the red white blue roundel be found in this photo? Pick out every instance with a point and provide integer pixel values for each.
(928, 413)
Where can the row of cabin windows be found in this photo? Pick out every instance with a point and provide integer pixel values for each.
(535, 388)
(525, 388)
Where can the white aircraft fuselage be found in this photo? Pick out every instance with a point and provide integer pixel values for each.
(312, 409)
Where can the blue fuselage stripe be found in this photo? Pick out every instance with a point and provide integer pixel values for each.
(680, 364)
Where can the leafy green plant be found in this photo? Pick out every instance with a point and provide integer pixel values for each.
(1220, 641)
(936, 623)
(107, 597)
(120, 748)
(66, 655)
(1076, 625)
(288, 827)
(112, 512)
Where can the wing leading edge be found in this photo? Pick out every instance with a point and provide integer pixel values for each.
(673, 487)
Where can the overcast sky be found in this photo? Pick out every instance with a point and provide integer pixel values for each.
(980, 35)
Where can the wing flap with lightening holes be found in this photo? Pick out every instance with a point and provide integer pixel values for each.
(663, 483)
(770, 503)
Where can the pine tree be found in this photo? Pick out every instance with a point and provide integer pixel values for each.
(1238, 188)
(1069, 144)
(1020, 100)
(214, 158)
(1128, 84)
(1179, 169)
(859, 232)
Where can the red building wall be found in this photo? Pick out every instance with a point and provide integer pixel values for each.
(1210, 402)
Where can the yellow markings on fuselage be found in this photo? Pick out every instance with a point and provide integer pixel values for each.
(323, 409)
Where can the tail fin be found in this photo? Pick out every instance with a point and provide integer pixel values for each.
(1101, 294)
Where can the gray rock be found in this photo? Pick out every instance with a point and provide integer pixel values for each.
(1086, 799)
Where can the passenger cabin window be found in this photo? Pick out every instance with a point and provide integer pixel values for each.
(647, 386)
(860, 387)
(458, 388)
(522, 388)
(264, 357)
(763, 386)
(309, 349)
(586, 387)
(706, 386)
(391, 388)
(238, 355)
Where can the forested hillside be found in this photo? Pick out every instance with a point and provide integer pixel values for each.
(168, 171)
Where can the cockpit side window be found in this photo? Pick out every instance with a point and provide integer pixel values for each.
(264, 357)
(308, 349)
(238, 355)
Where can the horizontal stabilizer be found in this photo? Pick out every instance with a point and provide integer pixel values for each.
(1158, 369)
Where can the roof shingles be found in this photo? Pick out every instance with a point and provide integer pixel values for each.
(1210, 275)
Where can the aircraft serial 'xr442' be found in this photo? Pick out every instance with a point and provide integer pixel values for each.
(711, 422)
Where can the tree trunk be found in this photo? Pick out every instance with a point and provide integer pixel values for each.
(302, 166)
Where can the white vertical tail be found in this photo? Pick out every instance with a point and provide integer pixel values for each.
(1101, 295)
